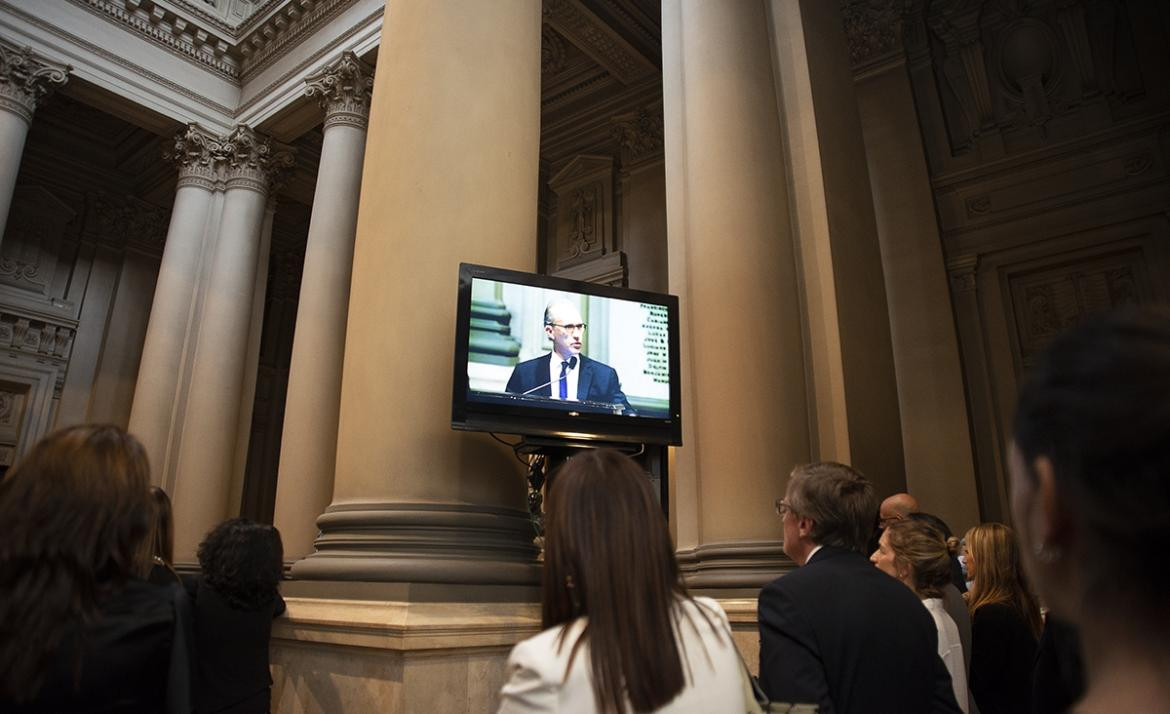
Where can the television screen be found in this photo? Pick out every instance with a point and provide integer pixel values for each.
(538, 355)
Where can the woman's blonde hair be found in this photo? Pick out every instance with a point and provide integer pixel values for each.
(922, 548)
(998, 574)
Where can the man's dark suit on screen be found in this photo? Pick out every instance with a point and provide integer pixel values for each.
(596, 382)
(842, 634)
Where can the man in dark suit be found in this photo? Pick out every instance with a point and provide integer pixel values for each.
(838, 632)
(565, 373)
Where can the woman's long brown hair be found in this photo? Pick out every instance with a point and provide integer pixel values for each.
(998, 574)
(608, 556)
(75, 511)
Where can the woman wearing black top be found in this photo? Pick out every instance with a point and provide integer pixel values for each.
(1005, 622)
(235, 601)
(78, 631)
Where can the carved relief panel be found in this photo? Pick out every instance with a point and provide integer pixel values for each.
(582, 241)
(38, 225)
(1011, 75)
(1045, 301)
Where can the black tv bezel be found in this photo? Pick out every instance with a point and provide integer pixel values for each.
(469, 415)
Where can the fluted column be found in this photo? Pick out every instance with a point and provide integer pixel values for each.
(206, 452)
(152, 414)
(25, 80)
(732, 264)
(450, 175)
(308, 444)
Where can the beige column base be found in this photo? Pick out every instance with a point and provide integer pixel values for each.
(410, 649)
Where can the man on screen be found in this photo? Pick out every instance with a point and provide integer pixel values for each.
(567, 374)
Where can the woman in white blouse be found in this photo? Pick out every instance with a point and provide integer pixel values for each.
(621, 633)
(917, 554)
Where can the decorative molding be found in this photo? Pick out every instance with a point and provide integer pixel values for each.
(121, 61)
(27, 78)
(24, 333)
(584, 29)
(639, 134)
(423, 542)
(962, 271)
(273, 38)
(174, 33)
(343, 88)
(739, 564)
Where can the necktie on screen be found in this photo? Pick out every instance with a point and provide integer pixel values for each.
(564, 382)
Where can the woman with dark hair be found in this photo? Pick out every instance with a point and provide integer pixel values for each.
(1005, 621)
(158, 557)
(622, 632)
(78, 630)
(1090, 468)
(915, 553)
(236, 599)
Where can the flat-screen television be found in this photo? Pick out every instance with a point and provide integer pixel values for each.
(541, 356)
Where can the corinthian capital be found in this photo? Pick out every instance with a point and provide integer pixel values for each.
(196, 151)
(253, 160)
(243, 158)
(26, 79)
(343, 88)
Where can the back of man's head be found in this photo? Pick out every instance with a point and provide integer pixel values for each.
(838, 499)
(898, 507)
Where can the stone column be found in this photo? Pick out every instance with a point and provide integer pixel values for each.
(853, 386)
(206, 450)
(25, 80)
(308, 444)
(936, 434)
(450, 175)
(732, 263)
(152, 414)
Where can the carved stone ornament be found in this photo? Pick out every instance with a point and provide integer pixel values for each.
(244, 158)
(343, 89)
(639, 134)
(552, 51)
(873, 28)
(26, 79)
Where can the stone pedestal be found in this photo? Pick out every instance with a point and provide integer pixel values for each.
(25, 80)
(308, 445)
(450, 175)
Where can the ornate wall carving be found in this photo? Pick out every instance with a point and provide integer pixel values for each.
(639, 134)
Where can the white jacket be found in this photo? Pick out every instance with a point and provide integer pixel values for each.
(537, 681)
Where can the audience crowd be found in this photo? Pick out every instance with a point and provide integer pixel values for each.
(885, 612)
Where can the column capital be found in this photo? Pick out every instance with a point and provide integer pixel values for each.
(195, 151)
(254, 160)
(244, 158)
(26, 79)
(343, 88)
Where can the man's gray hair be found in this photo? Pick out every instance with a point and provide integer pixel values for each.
(553, 307)
(839, 500)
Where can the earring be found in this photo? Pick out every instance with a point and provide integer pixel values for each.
(1047, 553)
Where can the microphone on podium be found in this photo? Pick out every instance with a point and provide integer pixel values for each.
(572, 366)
